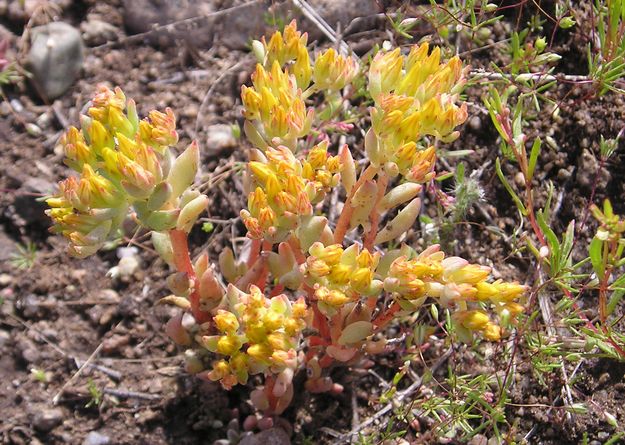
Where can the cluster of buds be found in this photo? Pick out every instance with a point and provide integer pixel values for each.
(269, 328)
(275, 103)
(454, 283)
(123, 162)
(285, 190)
(415, 96)
(274, 108)
(285, 48)
(339, 276)
(333, 71)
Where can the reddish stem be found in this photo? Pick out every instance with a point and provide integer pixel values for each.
(262, 278)
(326, 361)
(276, 290)
(297, 250)
(315, 340)
(182, 261)
(374, 218)
(254, 252)
(382, 319)
(273, 400)
(346, 214)
(320, 323)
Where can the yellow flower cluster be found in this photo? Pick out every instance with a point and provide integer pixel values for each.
(333, 71)
(321, 170)
(84, 211)
(121, 161)
(256, 335)
(286, 48)
(118, 159)
(339, 276)
(454, 283)
(285, 190)
(415, 96)
(275, 105)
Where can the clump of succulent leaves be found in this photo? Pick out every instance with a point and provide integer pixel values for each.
(312, 293)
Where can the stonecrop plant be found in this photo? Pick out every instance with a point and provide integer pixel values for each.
(313, 293)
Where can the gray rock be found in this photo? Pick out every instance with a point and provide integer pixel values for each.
(95, 438)
(46, 419)
(235, 27)
(30, 306)
(478, 439)
(97, 32)
(143, 15)
(55, 58)
(219, 138)
(272, 436)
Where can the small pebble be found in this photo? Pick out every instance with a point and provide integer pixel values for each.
(5, 279)
(563, 174)
(475, 123)
(190, 111)
(219, 137)
(272, 436)
(17, 105)
(78, 274)
(30, 306)
(97, 32)
(95, 438)
(478, 439)
(4, 337)
(44, 120)
(46, 419)
(107, 296)
(33, 129)
(30, 355)
(603, 379)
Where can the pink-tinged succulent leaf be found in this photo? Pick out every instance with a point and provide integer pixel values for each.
(190, 213)
(401, 223)
(176, 332)
(355, 332)
(341, 354)
(183, 170)
(399, 195)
